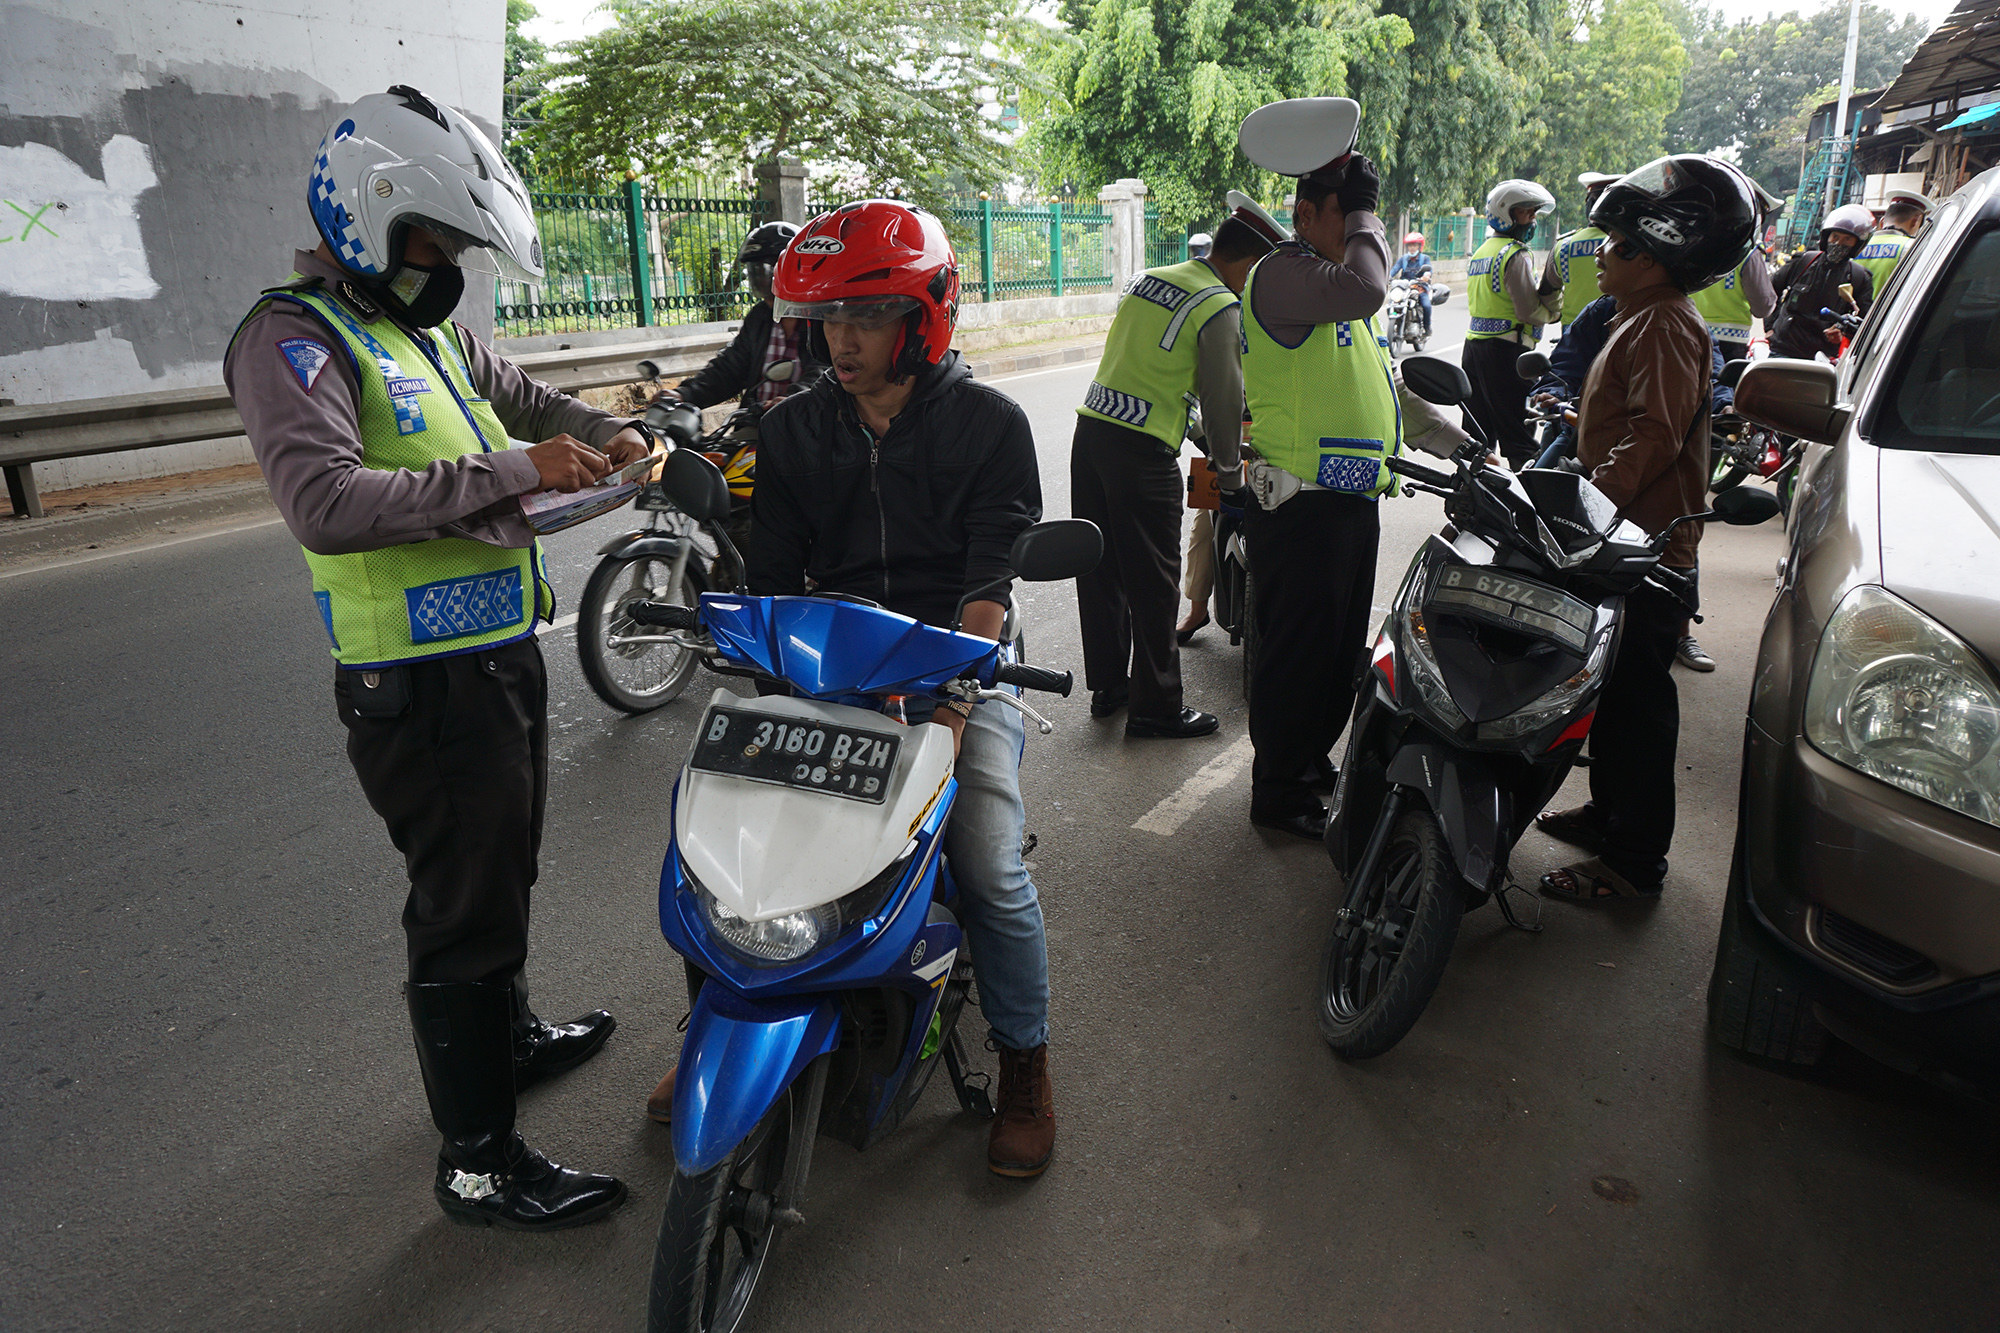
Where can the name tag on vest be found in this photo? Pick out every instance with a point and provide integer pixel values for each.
(403, 393)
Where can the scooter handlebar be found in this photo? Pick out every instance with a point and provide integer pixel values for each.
(1403, 467)
(1034, 678)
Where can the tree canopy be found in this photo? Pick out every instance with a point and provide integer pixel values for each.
(1154, 90)
(1746, 80)
(888, 89)
(1606, 100)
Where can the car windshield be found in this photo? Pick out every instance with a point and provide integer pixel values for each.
(1945, 396)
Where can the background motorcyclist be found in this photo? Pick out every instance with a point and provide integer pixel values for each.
(1411, 266)
(1508, 311)
(763, 341)
(1671, 227)
(1811, 281)
(1200, 244)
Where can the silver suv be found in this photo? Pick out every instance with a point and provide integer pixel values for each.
(1864, 897)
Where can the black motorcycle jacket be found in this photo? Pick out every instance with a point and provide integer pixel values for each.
(736, 370)
(914, 520)
(1805, 284)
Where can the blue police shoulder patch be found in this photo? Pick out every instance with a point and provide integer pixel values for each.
(307, 358)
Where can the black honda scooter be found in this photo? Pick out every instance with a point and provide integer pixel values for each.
(1482, 687)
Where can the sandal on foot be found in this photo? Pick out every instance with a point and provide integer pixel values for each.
(1573, 827)
(1592, 882)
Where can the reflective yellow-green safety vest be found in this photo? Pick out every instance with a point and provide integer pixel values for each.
(1726, 306)
(1150, 361)
(421, 599)
(1325, 409)
(1486, 282)
(1885, 250)
(1576, 265)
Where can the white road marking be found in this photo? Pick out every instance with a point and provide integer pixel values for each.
(137, 548)
(560, 623)
(1167, 817)
(1045, 370)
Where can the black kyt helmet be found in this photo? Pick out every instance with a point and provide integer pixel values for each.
(1696, 215)
(766, 244)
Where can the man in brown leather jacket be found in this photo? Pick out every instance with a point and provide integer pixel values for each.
(1642, 433)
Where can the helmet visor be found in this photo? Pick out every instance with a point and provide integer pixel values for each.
(472, 254)
(868, 312)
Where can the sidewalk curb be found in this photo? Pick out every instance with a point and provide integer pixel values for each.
(994, 367)
(37, 539)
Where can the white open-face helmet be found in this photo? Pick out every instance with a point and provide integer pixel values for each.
(397, 160)
(1508, 195)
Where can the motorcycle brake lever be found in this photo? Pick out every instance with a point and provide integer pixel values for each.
(1007, 697)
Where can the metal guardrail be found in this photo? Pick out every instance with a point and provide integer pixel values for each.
(44, 432)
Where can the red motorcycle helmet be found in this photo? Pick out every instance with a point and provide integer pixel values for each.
(872, 263)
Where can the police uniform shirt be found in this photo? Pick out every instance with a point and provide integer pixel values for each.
(295, 389)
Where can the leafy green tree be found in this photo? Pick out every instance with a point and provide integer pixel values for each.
(1605, 103)
(1745, 80)
(1157, 90)
(518, 81)
(886, 89)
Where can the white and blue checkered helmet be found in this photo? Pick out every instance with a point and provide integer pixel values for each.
(396, 160)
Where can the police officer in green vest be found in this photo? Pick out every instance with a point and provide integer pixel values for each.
(384, 432)
(1729, 306)
(1508, 310)
(1324, 416)
(1572, 264)
(1901, 222)
(1177, 336)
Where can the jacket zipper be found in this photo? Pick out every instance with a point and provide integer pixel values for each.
(881, 516)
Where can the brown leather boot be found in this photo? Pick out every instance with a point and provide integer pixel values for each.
(1024, 1132)
(660, 1106)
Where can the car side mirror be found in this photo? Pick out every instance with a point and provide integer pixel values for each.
(1794, 398)
(1745, 506)
(696, 486)
(1063, 548)
(1435, 380)
(1732, 373)
(1531, 366)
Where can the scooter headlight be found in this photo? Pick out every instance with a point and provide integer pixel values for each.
(782, 939)
(1423, 667)
(1553, 705)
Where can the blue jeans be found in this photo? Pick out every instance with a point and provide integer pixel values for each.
(1424, 300)
(997, 902)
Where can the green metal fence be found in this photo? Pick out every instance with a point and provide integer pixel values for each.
(629, 258)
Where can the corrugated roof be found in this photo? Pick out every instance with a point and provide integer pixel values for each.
(1963, 53)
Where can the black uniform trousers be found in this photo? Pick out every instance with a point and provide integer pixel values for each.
(1499, 402)
(1633, 740)
(461, 779)
(1312, 560)
(1130, 486)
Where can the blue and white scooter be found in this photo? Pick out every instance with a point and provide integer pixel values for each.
(806, 880)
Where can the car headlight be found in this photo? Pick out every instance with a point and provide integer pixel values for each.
(1552, 705)
(1423, 668)
(782, 939)
(1901, 698)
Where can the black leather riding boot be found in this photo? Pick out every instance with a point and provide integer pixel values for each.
(543, 1050)
(486, 1176)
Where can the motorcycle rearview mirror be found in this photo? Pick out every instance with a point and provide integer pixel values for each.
(1745, 506)
(1063, 548)
(781, 372)
(1531, 366)
(1435, 380)
(649, 371)
(1660, 538)
(696, 486)
(1732, 372)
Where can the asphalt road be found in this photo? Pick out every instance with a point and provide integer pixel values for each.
(211, 1117)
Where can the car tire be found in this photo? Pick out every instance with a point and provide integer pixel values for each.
(1757, 1003)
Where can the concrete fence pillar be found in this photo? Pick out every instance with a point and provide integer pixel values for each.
(1126, 235)
(781, 181)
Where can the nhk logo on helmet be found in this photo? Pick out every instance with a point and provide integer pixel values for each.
(819, 245)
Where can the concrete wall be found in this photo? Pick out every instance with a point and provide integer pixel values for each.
(153, 156)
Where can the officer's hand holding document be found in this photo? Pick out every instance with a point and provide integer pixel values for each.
(552, 511)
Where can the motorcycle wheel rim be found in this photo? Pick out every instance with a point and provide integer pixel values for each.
(1367, 958)
(736, 1256)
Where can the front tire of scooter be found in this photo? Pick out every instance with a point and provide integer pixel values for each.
(718, 1231)
(1376, 980)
